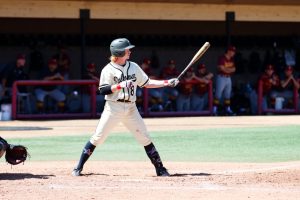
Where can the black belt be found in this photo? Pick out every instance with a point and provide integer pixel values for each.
(225, 75)
(124, 101)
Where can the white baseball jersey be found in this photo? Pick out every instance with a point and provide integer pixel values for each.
(113, 74)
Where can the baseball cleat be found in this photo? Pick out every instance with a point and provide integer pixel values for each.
(76, 172)
(162, 171)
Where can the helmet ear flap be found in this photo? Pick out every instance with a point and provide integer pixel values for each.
(119, 53)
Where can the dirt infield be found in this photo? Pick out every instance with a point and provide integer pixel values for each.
(136, 180)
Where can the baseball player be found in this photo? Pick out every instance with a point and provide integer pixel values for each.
(14, 154)
(270, 84)
(3, 146)
(200, 98)
(186, 91)
(51, 74)
(288, 83)
(226, 68)
(119, 80)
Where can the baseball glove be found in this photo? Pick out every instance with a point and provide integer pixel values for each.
(16, 154)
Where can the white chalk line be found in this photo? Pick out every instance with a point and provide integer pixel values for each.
(207, 186)
(201, 186)
(250, 170)
(264, 169)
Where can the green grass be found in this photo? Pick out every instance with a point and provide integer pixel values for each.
(271, 144)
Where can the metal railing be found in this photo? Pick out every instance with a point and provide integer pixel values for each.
(273, 110)
(92, 91)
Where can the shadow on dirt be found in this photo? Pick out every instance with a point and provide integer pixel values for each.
(20, 176)
(190, 174)
(94, 174)
(24, 128)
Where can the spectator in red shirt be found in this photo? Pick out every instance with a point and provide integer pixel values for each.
(226, 68)
(12, 74)
(91, 74)
(287, 84)
(155, 95)
(170, 94)
(270, 83)
(51, 74)
(185, 91)
(200, 96)
(63, 64)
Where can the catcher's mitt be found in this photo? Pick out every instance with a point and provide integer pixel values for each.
(16, 154)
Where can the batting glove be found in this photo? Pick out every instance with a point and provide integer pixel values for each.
(125, 84)
(173, 82)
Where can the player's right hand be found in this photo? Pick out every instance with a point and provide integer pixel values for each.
(125, 84)
(173, 82)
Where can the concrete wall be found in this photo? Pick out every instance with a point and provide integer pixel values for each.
(149, 10)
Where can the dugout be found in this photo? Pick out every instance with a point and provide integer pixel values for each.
(160, 29)
(166, 28)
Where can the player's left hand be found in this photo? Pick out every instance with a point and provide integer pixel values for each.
(126, 84)
(173, 82)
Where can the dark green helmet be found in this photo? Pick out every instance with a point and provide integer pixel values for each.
(118, 46)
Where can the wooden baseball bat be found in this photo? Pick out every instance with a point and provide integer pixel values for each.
(196, 57)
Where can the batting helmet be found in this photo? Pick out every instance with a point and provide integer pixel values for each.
(118, 46)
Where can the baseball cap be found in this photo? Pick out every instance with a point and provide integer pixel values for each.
(52, 61)
(91, 66)
(201, 66)
(269, 67)
(147, 61)
(171, 62)
(231, 48)
(288, 68)
(191, 69)
(21, 56)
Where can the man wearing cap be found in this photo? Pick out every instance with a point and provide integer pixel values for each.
(91, 74)
(155, 95)
(287, 84)
(270, 83)
(51, 74)
(226, 68)
(119, 80)
(185, 91)
(200, 96)
(170, 94)
(13, 74)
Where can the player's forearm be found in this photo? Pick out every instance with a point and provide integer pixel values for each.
(109, 89)
(156, 83)
(105, 90)
(296, 84)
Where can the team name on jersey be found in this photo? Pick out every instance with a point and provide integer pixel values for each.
(124, 78)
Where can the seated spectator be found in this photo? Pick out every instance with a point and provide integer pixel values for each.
(42, 92)
(155, 95)
(170, 94)
(288, 83)
(91, 74)
(270, 83)
(185, 91)
(64, 64)
(12, 74)
(200, 97)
